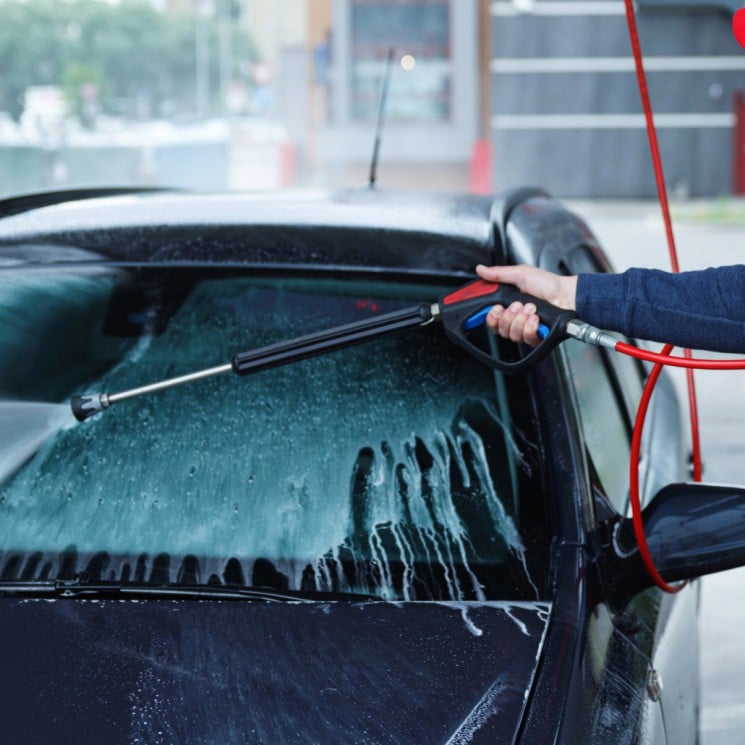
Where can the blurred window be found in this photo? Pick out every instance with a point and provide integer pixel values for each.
(419, 33)
(731, 5)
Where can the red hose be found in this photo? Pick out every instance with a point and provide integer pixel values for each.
(665, 207)
(654, 147)
(688, 362)
(636, 441)
(697, 466)
(652, 380)
(660, 359)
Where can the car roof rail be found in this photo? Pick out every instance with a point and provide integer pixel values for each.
(25, 202)
(505, 203)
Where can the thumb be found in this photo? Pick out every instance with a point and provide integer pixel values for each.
(497, 273)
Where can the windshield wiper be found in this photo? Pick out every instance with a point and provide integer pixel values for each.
(79, 589)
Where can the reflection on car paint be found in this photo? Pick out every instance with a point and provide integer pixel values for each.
(177, 671)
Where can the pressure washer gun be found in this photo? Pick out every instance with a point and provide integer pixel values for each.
(465, 309)
(460, 312)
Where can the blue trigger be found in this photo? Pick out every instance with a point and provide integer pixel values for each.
(477, 318)
(480, 317)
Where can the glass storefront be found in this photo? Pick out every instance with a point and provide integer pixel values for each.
(419, 34)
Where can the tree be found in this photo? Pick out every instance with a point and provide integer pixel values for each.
(84, 89)
(134, 56)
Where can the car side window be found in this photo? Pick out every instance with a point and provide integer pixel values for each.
(628, 374)
(604, 419)
(608, 388)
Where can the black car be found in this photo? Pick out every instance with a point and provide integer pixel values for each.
(393, 543)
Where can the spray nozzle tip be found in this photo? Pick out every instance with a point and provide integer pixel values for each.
(86, 406)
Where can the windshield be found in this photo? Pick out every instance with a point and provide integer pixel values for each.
(394, 468)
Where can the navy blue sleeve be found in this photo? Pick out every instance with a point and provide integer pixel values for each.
(699, 309)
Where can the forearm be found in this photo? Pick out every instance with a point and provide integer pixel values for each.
(700, 309)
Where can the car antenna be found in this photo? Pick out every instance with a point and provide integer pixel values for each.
(381, 118)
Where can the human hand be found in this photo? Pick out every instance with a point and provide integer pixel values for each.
(519, 322)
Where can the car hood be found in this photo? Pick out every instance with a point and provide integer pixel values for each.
(206, 671)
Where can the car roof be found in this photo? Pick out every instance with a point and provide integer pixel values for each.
(436, 233)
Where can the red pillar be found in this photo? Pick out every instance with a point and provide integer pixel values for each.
(287, 163)
(480, 168)
(738, 149)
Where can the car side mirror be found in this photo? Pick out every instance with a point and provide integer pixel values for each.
(691, 529)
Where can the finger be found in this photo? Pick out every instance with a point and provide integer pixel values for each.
(517, 328)
(529, 324)
(530, 331)
(492, 318)
(507, 274)
(507, 320)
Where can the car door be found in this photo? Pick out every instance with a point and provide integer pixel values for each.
(652, 643)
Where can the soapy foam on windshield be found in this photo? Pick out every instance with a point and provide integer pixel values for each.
(261, 466)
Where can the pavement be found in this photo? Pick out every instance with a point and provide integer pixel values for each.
(707, 233)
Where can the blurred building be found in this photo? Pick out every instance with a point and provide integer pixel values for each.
(565, 105)
(476, 95)
(431, 89)
(485, 95)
